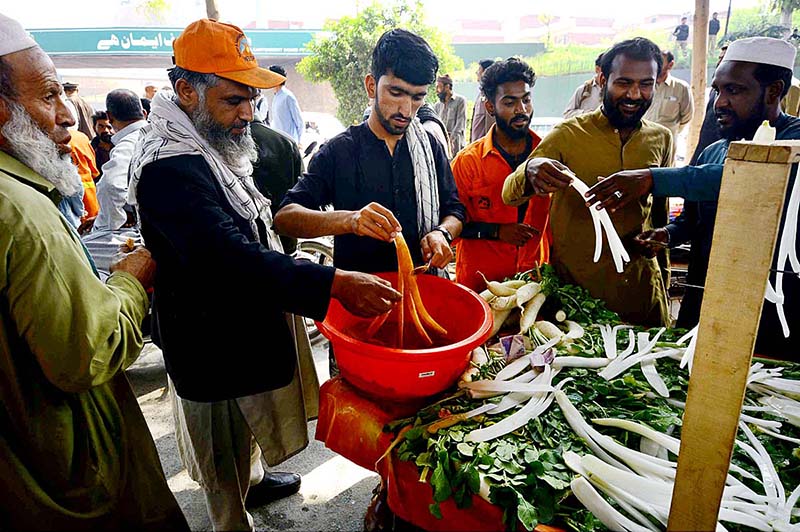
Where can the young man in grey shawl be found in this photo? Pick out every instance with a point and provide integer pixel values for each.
(240, 364)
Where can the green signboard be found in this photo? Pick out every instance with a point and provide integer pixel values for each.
(158, 41)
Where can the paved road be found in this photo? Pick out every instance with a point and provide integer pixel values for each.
(334, 494)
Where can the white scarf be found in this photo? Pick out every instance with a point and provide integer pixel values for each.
(170, 133)
(427, 187)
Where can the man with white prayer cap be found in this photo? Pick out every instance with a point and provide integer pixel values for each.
(75, 451)
(752, 79)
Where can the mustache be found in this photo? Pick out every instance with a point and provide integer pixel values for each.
(520, 117)
(723, 112)
(399, 116)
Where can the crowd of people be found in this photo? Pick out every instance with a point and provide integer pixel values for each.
(193, 179)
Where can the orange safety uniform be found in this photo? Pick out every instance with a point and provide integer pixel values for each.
(479, 171)
(83, 158)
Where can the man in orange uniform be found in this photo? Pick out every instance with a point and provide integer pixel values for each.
(83, 157)
(499, 240)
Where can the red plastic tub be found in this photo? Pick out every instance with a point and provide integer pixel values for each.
(403, 374)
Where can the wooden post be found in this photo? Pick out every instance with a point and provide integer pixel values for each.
(699, 68)
(745, 232)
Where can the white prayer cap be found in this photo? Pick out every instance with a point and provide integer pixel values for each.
(13, 37)
(764, 50)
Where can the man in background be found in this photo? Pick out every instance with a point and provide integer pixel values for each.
(127, 117)
(481, 119)
(681, 34)
(587, 96)
(284, 113)
(101, 143)
(673, 106)
(80, 207)
(452, 109)
(150, 91)
(713, 30)
(277, 169)
(83, 111)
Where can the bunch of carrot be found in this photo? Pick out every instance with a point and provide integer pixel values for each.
(410, 309)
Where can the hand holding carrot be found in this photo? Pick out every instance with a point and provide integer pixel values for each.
(375, 221)
(363, 294)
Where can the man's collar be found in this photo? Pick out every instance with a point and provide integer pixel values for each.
(25, 175)
(602, 121)
(117, 137)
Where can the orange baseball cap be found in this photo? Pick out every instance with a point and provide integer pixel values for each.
(210, 47)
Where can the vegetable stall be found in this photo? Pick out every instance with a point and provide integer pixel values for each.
(579, 421)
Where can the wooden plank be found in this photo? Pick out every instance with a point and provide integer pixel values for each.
(780, 151)
(748, 218)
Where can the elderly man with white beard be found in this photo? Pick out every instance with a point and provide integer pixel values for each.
(240, 363)
(75, 451)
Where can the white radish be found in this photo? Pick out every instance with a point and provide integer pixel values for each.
(498, 289)
(499, 317)
(527, 292)
(479, 356)
(530, 312)
(549, 330)
(561, 316)
(574, 330)
(504, 302)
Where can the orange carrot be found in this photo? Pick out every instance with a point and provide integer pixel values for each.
(376, 324)
(412, 312)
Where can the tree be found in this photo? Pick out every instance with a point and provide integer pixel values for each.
(786, 8)
(546, 19)
(342, 52)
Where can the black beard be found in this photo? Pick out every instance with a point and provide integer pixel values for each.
(392, 130)
(509, 131)
(105, 137)
(617, 118)
(743, 129)
(442, 96)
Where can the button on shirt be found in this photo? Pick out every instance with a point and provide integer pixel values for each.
(284, 115)
(355, 168)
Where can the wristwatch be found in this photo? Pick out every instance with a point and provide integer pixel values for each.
(447, 236)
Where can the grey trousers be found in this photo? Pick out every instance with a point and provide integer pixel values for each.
(225, 458)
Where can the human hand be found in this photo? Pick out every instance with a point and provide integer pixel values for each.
(375, 221)
(547, 175)
(617, 190)
(516, 234)
(138, 263)
(363, 294)
(649, 243)
(86, 225)
(436, 249)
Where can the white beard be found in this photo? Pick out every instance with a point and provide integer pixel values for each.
(239, 152)
(33, 148)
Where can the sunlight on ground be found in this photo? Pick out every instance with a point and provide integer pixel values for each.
(330, 479)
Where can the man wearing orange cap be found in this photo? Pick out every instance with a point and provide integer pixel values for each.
(240, 364)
